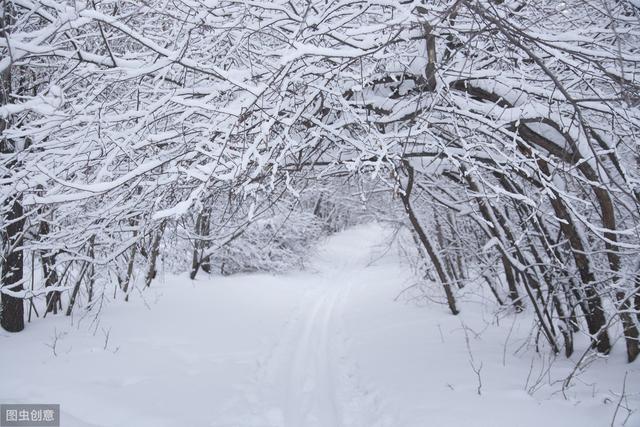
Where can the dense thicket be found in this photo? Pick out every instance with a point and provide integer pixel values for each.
(507, 132)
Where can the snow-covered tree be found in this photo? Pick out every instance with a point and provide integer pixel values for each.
(516, 120)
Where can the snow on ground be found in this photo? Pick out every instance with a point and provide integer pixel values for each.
(322, 348)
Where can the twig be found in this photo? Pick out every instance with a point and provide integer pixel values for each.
(476, 369)
(622, 395)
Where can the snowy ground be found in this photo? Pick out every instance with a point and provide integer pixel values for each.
(324, 348)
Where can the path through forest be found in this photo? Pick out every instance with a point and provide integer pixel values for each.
(327, 347)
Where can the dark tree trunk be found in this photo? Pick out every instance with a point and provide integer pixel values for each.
(462, 275)
(76, 289)
(538, 273)
(445, 244)
(437, 264)
(594, 311)
(594, 315)
(430, 72)
(51, 279)
(126, 284)
(91, 269)
(12, 315)
(155, 251)
(570, 153)
(205, 226)
(512, 284)
(630, 329)
(195, 260)
(636, 300)
(607, 211)
(127, 281)
(200, 244)
(489, 215)
(493, 289)
(50, 273)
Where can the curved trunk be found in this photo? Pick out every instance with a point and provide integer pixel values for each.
(489, 216)
(573, 156)
(437, 264)
(595, 318)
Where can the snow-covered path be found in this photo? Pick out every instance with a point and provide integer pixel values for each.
(301, 372)
(328, 347)
(308, 379)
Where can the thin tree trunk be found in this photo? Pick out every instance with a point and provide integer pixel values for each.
(76, 288)
(443, 243)
(636, 300)
(126, 284)
(493, 289)
(205, 226)
(595, 315)
(155, 251)
(130, 265)
(462, 275)
(430, 71)
(91, 269)
(442, 275)
(195, 260)
(50, 273)
(489, 216)
(565, 326)
(531, 280)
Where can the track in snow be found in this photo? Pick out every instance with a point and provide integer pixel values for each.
(309, 379)
(310, 391)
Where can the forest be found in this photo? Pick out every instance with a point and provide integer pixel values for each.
(488, 150)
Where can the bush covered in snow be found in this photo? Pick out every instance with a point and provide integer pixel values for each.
(274, 244)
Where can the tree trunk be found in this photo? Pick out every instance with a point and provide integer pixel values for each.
(487, 212)
(205, 226)
(126, 284)
(195, 260)
(200, 245)
(127, 281)
(91, 269)
(630, 329)
(155, 251)
(493, 289)
(595, 315)
(629, 326)
(442, 275)
(12, 315)
(462, 274)
(636, 301)
(50, 273)
(76, 289)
